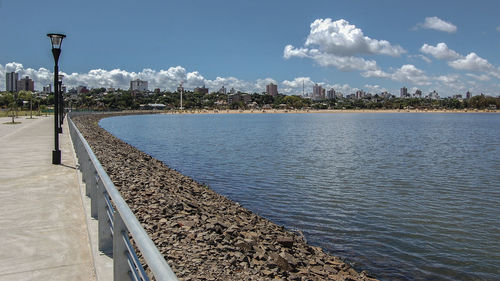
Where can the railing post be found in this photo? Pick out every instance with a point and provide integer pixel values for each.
(121, 269)
(94, 185)
(88, 174)
(104, 222)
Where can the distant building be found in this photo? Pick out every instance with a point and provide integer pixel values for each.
(386, 95)
(139, 85)
(82, 90)
(418, 93)
(222, 90)
(404, 92)
(63, 89)
(25, 84)
(457, 96)
(232, 91)
(330, 94)
(317, 92)
(11, 81)
(157, 90)
(47, 89)
(360, 94)
(339, 95)
(272, 89)
(468, 95)
(201, 90)
(433, 95)
(235, 98)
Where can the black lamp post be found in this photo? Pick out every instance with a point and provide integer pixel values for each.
(61, 103)
(56, 41)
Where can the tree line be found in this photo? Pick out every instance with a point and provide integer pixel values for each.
(98, 99)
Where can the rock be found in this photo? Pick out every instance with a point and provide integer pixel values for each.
(202, 234)
(280, 262)
(285, 241)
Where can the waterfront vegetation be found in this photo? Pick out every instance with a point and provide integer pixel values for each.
(99, 99)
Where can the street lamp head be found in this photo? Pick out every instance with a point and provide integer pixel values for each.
(56, 40)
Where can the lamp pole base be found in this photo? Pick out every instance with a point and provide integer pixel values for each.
(56, 157)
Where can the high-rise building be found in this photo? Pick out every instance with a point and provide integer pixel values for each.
(468, 95)
(11, 81)
(404, 92)
(25, 84)
(330, 94)
(360, 94)
(272, 89)
(317, 92)
(139, 85)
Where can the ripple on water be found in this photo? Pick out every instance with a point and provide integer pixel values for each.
(405, 196)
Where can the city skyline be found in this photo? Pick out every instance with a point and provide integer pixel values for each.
(450, 46)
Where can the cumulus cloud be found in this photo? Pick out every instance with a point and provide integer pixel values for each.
(481, 77)
(437, 24)
(407, 73)
(167, 79)
(344, 39)
(440, 51)
(471, 62)
(340, 44)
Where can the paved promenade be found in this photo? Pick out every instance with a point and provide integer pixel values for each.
(43, 230)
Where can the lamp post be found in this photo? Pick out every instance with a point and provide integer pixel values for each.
(61, 103)
(56, 41)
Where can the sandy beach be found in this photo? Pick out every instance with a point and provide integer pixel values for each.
(337, 111)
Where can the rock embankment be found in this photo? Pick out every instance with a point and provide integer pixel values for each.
(204, 235)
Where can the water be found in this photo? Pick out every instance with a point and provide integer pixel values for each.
(404, 196)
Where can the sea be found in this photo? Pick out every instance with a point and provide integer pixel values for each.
(404, 196)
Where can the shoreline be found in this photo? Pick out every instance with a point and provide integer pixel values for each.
(329, 111)
(202, 234)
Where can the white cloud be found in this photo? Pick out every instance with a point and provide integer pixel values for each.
(481, 77)
(438, 24)
(339, 44)
(348, 63)
(449, 79)
(471, 62)
(440, 51)
(498, 28)
(344, 39)
(407, 73)
(375, 89)
(167, 79)
(291, 51)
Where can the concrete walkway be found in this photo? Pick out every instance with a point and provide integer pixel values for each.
(43, 230)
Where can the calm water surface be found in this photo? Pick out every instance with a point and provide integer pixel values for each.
(404, 196)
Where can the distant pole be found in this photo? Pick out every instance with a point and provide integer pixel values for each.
(56, 41)
(181, 90)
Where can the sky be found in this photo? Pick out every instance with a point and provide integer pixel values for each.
(448, 46)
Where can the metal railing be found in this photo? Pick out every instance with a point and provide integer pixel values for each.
(116, 222)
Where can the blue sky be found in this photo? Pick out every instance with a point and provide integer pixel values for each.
(449, 46)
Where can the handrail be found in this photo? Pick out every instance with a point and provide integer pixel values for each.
(154, 259)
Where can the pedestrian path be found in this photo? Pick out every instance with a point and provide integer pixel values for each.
(43, 229)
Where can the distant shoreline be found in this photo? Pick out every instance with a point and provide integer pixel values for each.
(273, 111)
